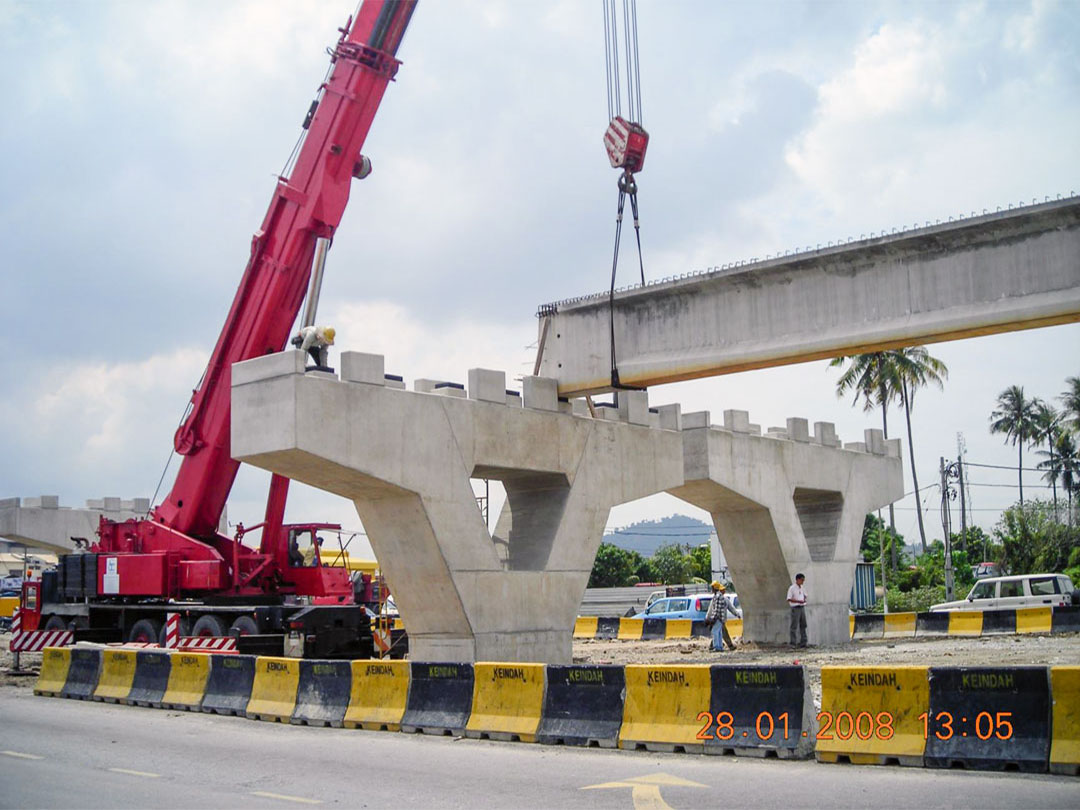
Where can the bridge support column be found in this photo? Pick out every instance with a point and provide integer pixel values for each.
(788, 502)
(405, 459)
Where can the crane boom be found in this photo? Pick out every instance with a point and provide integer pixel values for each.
(306, 204)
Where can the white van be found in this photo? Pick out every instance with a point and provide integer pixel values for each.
(1021, 591)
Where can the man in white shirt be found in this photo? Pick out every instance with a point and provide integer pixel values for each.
(796, 599)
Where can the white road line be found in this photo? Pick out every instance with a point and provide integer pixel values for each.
(17, 755)
(135, 773)
(284, 798)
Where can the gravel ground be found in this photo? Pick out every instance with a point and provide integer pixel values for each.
(1005, 650)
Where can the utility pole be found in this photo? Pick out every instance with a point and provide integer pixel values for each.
(949, 472)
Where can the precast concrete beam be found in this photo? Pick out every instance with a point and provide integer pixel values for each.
(41, 522)
(782, 505)
(405, 459)
(998, 272)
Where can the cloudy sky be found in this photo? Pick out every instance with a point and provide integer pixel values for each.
(141, 142)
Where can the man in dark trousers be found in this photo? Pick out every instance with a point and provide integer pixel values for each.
(796, 599)
(716, 618)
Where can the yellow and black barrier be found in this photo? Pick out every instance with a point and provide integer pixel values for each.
(965, 623)
(151, 678)
(608, 628)
(1019, 718)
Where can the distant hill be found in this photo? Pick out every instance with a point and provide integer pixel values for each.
(646, 536)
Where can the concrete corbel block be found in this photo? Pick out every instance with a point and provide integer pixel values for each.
(361, 367)
(695, 420)
(540, 393)
(425, 386)
(140, 505)
(671, 417)
(754, 430)
(737, 421)
(633, 406)
(874, 441)
(798, 429)
(893, 448)
(111, 504)
(279, 364)
(566, 406)
(607, 410)
(50, 501)
(825, 434)
(10, 503)
(450, 389)
(513, 398)
(487, 385)
(776, 432)
(91, 503)
(395, 381)
(858, 447)
(654, 418)
(579, 407)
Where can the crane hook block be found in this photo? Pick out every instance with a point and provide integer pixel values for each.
(626, 143)
(362, 167)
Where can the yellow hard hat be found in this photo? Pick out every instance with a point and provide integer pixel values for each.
(329, 333)
(716, 586)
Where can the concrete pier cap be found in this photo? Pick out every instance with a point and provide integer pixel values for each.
(405, 459)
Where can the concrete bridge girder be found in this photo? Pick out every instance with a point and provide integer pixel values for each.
(788, 503)
(406, 459)
(42, 523)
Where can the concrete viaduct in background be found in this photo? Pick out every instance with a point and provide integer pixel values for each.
(787, 501)
(999, 272)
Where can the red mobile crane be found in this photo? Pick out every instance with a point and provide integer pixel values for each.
(175, 559)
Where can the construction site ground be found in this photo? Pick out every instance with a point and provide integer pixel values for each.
(1003, 650)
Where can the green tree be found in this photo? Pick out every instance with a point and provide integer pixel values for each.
(1070, 403)
(896, 374)
(612, 568)
(1033, 541)
(1047, 428)
(1063, 464)
(671, 564)
(1015, 416)
(701, 562)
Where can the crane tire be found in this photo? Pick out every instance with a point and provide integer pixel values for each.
(208, 625)
(145, 631)
(244, 626)
(55, 623)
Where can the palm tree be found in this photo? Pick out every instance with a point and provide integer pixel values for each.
(1070, 401)
(898, 374)
(1047, 427)
(1015, 417)
(1066, 463)
(867, 379)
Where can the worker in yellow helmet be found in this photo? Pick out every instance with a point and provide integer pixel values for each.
(315, 340)
(716, 618)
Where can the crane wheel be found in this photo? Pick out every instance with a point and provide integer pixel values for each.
(145, 631)
(244, 626)
(55, 623)
(208, 625)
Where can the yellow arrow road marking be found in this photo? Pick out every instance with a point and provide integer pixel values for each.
(645, 790)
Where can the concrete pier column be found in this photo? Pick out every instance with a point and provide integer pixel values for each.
(405, 459)
(783, 505)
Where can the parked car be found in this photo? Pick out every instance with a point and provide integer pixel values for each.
(693, 607)
(1019, 591)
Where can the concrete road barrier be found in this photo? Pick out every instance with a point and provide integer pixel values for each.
(117, 675)
(899, 625)
(868, 625)
(54, 671)
(378, 696)
(507, 701)
(653, 629)
(631, 629)
(931, 625)
(607, 627)
(989, 718)
(188, 676)
(871, 715)
(440, 698)
(228, 688)
(151, 678)
(1034, 620)
(735, 628)
(583, 705)
(759, 711)
(662, 706)
(322, 696)
(678, 628)
(1066, 620)
(1065, 744)
(585, 627)
(83, 671)
(273, 690)
(997, 622)
(698, 629)
(965, 622)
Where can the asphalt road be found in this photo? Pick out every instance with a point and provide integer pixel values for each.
(74, 754)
